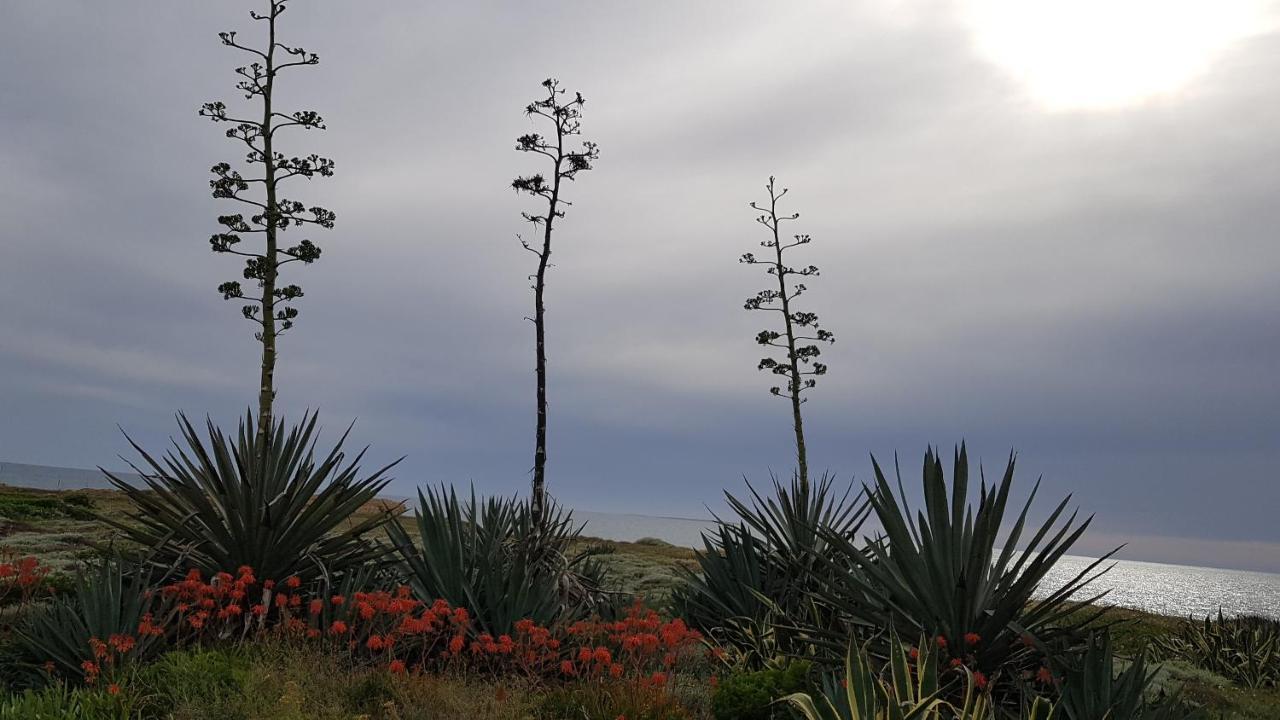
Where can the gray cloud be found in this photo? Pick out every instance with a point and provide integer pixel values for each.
(1095, 288)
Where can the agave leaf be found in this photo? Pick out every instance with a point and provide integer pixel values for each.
(861, 693)
(110, 598)
(221, 504)
(752, 587)
(949, 571)
(492, 557)
(1244, 649)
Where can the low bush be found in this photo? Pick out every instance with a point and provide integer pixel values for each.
(907, 686)
(753, 695)
(44, 506)
(193, 678)
(609, 700)
(114, 620)
(286, 680)
(60, 702)
(1246, 650)
(95, 631)
(494, 558)
(1093, 686)
(21, 578)
(757, 575)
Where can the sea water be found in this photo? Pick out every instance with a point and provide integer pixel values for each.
(1154, 587)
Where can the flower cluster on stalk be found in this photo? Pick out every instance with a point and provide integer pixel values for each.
(20, 578)
(394, 630)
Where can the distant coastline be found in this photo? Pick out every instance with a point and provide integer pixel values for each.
(677, 530)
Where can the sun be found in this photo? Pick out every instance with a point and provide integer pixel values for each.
(1100, 54)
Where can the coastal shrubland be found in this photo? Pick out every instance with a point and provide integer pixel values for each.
(420, 629)
(257, 574)
(1245, 649)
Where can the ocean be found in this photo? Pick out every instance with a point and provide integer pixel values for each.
(1154, 587)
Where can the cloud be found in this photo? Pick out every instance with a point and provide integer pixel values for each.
(1094, 287)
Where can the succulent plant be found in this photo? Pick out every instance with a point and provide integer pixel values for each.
(223, 504)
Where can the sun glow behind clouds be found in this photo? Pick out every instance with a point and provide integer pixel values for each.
(1099, 54)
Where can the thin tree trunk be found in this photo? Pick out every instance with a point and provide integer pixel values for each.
(266, 389)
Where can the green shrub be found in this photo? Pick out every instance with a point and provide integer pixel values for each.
(369, 692)
(753, 695)
(44, 506)
(492, 558)
(1246, 650)
(950, 575)
(756, 576)
(62, 583)
(609, 701)
(220, 505)
(1093, 689)
(907, 687)
(62, 703)
(206, 678)
(13, 675)
(289, 681)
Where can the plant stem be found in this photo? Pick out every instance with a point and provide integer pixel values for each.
(793, 362)
(539, 499)
(266, 390)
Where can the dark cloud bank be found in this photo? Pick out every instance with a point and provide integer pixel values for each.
(1094, 288)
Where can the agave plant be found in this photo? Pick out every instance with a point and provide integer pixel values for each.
(756, 576)
(1092, 689)
(912, 691)
(496, 559)
(949, 574)
(110, 600)
(1245, 650)
(225, 504)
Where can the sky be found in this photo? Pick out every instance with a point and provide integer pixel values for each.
(1043, 226)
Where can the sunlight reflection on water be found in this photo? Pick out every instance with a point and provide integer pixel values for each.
(1154, 587)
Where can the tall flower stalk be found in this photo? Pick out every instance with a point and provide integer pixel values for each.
(798, 366)
(566, 118)
(270, 309)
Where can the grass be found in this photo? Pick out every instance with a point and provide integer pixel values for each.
(284, 681)
(647, 567)
(287, 682)
(57, 527)
(1217, 694)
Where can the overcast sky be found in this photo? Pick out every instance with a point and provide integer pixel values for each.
(1046, 226)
